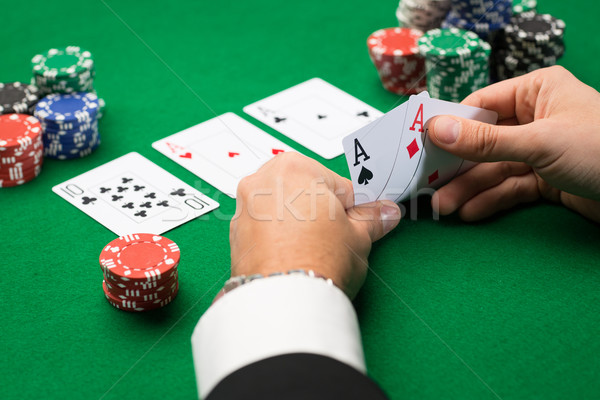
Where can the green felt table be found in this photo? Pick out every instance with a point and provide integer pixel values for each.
(508, 308)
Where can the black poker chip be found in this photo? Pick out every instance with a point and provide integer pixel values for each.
(17, 97)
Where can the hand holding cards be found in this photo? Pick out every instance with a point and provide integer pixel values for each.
(393, 158)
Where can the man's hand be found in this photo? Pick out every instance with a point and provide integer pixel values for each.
(294, 213)
(546, 144)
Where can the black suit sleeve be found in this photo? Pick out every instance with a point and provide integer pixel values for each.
(297, 376)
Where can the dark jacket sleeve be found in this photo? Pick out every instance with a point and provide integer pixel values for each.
(297, 376)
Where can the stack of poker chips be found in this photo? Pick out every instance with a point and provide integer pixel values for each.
(18, 97)
(531, 41)
(456, 62)
(484, 17)
(422, 14)
(64, 70)
(395, 54)
(140, 272)
(70, 124)
(21, 149)
(520, 6)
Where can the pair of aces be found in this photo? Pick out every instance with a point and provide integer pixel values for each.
(393, 157)
(227, 148)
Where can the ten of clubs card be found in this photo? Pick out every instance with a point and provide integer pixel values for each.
(221, 150)
(393, 158)
(315, 114)
(131, 194)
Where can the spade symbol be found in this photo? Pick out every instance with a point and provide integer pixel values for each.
(365, 176)
(279, 119)
(363, 114)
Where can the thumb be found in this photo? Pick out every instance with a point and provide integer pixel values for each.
(378, 218)
(478, 141)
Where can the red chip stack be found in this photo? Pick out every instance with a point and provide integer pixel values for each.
(395, 53)
(140, 272)
(21, 149)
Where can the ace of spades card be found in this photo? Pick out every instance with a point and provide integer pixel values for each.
(416, 163)
(133, 195)
(315, 114)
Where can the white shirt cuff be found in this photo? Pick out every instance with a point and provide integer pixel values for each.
(273, 316)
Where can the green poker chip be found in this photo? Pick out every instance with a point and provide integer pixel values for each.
(451, 42)
(66, 62)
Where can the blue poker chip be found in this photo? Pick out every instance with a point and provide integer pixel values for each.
(61, 110)
(60, 152)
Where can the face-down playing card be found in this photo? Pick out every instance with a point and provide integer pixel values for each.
(221, 150)
(133, 195)
(315, 114)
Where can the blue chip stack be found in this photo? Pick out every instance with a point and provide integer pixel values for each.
(69, 124)
(484, 17)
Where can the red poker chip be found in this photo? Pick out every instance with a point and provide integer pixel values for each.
(139, 306)
(140, 257)
(118, 284)
(20, 178)
(394, 42)
(32, 156)
(142, 295)
(18, 132)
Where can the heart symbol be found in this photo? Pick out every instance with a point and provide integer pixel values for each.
(231, 154)
(277, 151)
(157, 238)
(186, 155)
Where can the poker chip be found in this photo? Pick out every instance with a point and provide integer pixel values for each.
(520, 6)
(484, 17)
(395, 54)
(17, 97)
(69, 123)
(530, 41)
(456, 62)
(423, 15)
(63, 70)
(21, 149)
(140, 271)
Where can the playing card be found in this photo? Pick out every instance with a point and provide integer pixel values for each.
(420, 164)
(371, 153)
(315, 114)
(133, 195)
(221, 150)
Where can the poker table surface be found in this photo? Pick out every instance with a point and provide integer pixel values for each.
(506, 308)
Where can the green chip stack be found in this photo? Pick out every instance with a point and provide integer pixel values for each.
(456, 62)
(521, 6)
(63, 70)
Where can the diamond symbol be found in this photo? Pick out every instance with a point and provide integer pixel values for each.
(412, 148)
(433, 177)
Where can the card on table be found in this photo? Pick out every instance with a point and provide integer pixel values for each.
(315, 114)
(417, 163)
(221, 150)
(131, 194)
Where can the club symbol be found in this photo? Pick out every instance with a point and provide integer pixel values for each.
(163, 203)
(363, 114)
(116, 198)
(128, 205)
(150, 195)
(141, 213)
(87, 200)
(146, 205)
(104, 190)
(137, 188)
(365, 176)
(319, 116)
(278, 120)
(126, 180)
(121, 189)
(178, 192)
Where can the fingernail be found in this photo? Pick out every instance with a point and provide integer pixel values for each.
(390, 215)
(446, 130)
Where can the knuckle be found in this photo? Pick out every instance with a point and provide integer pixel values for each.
(485, 138)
